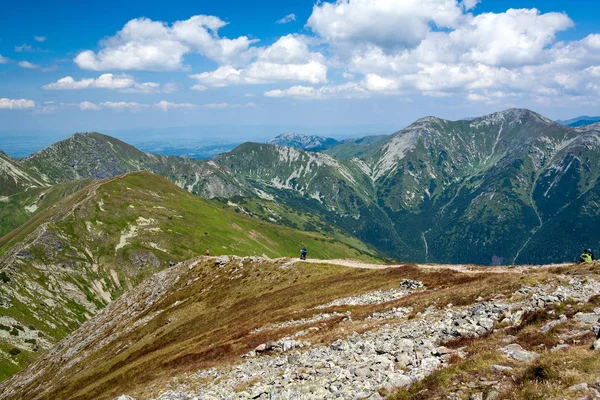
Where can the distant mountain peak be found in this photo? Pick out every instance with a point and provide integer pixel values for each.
(304, 142)
(583, 120)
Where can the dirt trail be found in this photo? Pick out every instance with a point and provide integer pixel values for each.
(471, 269)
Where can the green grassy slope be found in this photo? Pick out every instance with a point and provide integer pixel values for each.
(19, 207)
(68, 262)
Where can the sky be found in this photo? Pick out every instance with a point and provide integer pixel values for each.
(355, 66)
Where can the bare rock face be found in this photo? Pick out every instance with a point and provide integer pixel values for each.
(144, 258)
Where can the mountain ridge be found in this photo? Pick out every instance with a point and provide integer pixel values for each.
(414, 194)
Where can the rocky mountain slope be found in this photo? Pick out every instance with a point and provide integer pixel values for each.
(304, 142)
(476, 191)
(70, 260)
(14, 178)
(17, 208)
(97, 156)
(233, 327)
(488, 190)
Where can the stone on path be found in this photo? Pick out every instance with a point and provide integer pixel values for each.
(516, 352)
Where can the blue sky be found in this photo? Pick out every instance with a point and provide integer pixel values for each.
(370, 65)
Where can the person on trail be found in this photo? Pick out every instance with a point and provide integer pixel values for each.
(207, 253)
(591, 254)
(586, 257)
(303, 254)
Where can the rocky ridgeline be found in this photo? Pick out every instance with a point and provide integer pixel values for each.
(393, 356)
(407, 286)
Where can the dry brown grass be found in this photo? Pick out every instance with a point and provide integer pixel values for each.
(215, 328)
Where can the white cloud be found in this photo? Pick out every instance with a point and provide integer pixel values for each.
(122, 105)
(131, 106)
(437, 48)
(166, 106)
(149, 45)
(24, 48)
(386, 23)
(469, 4)
(288, 59)
(4, 60)
(287, 19)
(15, 104)
(348, 90)
(40, 39)
(199, 88)
(122, 83)
(376, 83)
(477, 97)
(86, 105)
(27, 65)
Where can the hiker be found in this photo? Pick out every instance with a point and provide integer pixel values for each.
(303, 254)
(207, 253)
(586, 257)
(591, 254)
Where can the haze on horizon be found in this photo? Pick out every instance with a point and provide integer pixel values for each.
(339, 68)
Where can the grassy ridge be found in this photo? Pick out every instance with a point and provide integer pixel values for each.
(69, 261)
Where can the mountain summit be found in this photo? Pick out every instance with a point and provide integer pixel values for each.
(308, 143)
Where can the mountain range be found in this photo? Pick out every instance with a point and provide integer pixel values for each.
(579, 121)
(89, 218)
(491, 190)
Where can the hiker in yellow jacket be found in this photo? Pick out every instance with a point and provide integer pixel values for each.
(586, 257)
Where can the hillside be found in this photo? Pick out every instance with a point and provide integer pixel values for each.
(233, 327)
(71, 260)
(17, 208)
(14, 178)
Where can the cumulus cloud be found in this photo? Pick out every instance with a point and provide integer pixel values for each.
(288, 59)
(16, 104)
(439, 49)
(4, 60)
(386, 23)
(122, 83)
(436, 48)
(27, 65)
(287, 19)
(40, 39)
(86, 105)
(144, 44)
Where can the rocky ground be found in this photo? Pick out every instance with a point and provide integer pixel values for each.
(401, 353)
